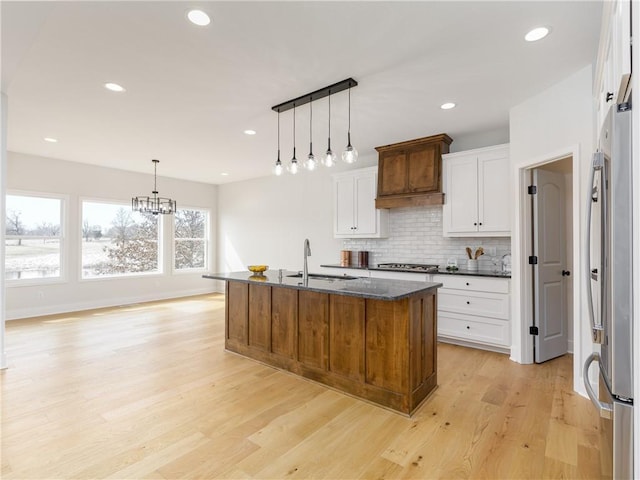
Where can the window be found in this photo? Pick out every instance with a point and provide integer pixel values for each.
(117, 241)
(191, 239)
(33, 237)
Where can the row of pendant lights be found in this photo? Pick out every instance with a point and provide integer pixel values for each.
(349, 155)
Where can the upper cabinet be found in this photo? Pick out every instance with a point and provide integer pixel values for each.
(613, 69)
(355, 214)
(476, 187)
(410, 173)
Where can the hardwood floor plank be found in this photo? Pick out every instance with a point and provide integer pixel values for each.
(147, 391)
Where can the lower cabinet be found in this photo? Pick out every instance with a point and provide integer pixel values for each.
(383, 351)
(474, 311)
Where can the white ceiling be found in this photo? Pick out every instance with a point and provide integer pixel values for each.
(192, 91)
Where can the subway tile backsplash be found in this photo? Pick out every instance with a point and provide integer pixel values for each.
(415, 236)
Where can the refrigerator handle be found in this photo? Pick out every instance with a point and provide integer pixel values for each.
(604, 409)
(597, 330)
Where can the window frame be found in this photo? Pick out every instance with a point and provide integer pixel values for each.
(207, 244)
(118, 276)
(64, 243)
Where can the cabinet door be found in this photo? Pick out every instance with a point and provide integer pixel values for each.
(621, 43)
(355, 213)
(423, 169)
(461, 196)
(393, 173)
(313, 329)
(365, 204)
(344, 206)
(493, 195)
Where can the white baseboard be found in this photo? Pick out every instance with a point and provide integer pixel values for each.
(480, 346)
(19, 313)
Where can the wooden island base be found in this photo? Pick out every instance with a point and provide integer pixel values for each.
(383, 351)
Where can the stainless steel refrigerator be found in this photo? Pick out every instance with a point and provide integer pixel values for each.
(610, 289)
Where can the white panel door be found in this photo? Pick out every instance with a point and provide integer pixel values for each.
(493, 194)
(549, 245)
(461, 196)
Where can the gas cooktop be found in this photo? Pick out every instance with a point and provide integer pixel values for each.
(409, 267)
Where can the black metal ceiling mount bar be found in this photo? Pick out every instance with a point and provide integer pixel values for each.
(318, 94)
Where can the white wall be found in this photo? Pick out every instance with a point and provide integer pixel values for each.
(81, 181)
(265, 221)
(553, 124)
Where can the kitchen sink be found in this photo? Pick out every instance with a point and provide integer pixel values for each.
(323, 276)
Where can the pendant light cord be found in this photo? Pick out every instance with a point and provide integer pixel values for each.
(349, 111)
(155, 178)
(329, 136)
(310, 126)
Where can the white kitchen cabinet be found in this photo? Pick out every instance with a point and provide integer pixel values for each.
(476, 186)
(355, 213)
(474, 311)
(613, 68)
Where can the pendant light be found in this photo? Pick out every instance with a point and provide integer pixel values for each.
(278, 168)
(310, 163)
(329, 159)
(350, 154)
(293, 164)
(155, 204)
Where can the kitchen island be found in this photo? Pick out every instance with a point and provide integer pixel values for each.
(371, 338)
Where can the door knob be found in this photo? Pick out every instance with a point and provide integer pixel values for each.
(566, 273)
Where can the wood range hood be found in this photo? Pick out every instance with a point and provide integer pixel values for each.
(410, 173)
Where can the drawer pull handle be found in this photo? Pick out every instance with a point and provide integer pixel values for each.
(468, 302)
(467, 284)
(468, 327)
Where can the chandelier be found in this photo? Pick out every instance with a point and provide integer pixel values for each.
(350, 154)
(155, 204)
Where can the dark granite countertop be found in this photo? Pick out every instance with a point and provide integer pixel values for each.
(377, 288)
(478, 273)
(442, 271)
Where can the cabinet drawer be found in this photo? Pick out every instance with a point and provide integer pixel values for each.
(474, 329)
(467, 282)
(474, 303)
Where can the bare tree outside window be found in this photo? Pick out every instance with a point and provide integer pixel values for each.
(14, 224)
(118, 241)
(190, 239)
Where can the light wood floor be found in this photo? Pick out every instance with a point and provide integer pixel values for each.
(147, 391)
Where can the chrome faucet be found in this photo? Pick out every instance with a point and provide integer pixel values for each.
(307, 253)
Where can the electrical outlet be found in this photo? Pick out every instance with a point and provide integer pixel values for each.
(491, 251)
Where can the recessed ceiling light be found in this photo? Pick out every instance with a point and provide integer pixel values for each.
(536, 34)
(447, 106)
(198, 17)
(114, 87)
(50, 139)
(250, 132)
(224, 174)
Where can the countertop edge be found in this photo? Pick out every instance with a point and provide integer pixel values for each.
(428, 286)
(480, 273)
